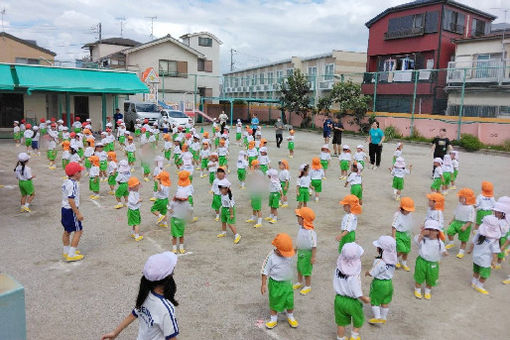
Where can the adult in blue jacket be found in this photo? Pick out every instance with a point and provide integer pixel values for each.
(375, 139)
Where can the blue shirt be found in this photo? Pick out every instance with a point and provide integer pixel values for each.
(376, 135)
(327, 125)
(254, 122)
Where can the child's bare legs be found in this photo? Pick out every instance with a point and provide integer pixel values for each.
(136, 229)
(232, 227)
(23, 200)
(308, 281)
(299, 205)
(274, 212)
(299, 277)
(174, 241)
(66, 239)
(305, 204)
(224, 227)
(76, 239)
(340, 331)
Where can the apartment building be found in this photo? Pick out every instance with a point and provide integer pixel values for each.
(21, 51)
(323, 70)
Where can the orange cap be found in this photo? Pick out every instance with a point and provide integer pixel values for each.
(251, 145)
(438, 200)
(206, 134)
(263, 141)
(222, 141)
(254, 162)
(130, 137)
(184, 147)
(487, 189)
(407, 203)
(86, 131)
(94, 160)
(308, 216)
(133, 182)
(285, 164)
(164, 177)
(316, 163)
(283, 242)
(65, 144)
(91, 141)
(112, 155)
(184, 180)
(166, 136)
(468, 194)
(353, 202)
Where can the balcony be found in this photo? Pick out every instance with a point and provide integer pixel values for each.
(407, 76)
(408, 33)
(479, 71)
(326, 85)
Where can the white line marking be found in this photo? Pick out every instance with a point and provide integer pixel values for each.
(96, 203)
(8, 186)
(187, 253)
(63, 266)
(262, 326)
(156, 244)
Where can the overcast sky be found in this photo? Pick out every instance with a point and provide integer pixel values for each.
(260, 30)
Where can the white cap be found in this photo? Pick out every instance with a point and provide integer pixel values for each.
(349, 260)
(60, 121)
(224, 183)
(432, 224)
(99, 144)
(124, 166)
(438, 160)
(65, 128)
(360, 146)
(88, 120)
(346, 147)
(159, 266)
(35, 127)
(302, 166)
(23, 157)
(272, 172)
(325, 146)
(389, 247)
(16, 122)
(263, 149)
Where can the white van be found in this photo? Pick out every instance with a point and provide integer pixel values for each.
(142, 111)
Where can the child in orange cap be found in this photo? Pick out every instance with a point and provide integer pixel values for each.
(316, 175)
(351, 208)
(133, 204)
(462, 221)
(204, 158)
(184, 184)
(484, 203)
(306, 248)
(284, 176)
(278, 267)
(159, 208)
(252, 152)
(167, 146)
(355, 181)
(112, 171)
(401, 231)
(290, 144)
(181, 210)
(158, 167)
(325, 157)
(94, 177)
(435, 209)
(66, 155)
(212, 166)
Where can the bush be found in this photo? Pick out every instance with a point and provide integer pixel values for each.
(470, 142)
(391, 132)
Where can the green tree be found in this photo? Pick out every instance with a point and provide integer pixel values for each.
(294, 96)
(350, 100)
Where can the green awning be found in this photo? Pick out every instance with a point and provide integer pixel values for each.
(6, 82)
(37, 78)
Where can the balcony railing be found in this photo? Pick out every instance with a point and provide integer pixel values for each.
(479, 71)
(408, 33)
(405, 76)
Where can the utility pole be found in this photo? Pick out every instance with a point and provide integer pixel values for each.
(121, 19)
(152, 25)
(232, 51)
(2, 12)
(99, 29)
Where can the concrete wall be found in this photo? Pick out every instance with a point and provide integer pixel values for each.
(465, 51)
(10, 49)
(485, 98)
(101, 50)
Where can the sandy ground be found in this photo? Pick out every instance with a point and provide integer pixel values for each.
(218, 282)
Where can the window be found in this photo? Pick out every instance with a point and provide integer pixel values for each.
(236, 82)
(172, 68)
(254, 79)
(200, 64)
(261, 81)
(11, 108)
(279, 76)
(206, 42)
(270, 79)
(290, 71)
(453, 21)
(431, 22)
(479, 28)
(29, 61)
(329, 72)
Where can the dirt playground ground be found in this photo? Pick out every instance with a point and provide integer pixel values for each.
(218, 282)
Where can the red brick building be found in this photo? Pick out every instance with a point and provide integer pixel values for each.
(417, 36)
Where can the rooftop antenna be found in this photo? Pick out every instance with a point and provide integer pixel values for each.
(232, 51)
(121, 19)
(2, 12)
(152, 25)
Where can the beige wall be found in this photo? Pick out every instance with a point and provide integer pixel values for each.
(10, 49)
(102, 50)
(481, 99)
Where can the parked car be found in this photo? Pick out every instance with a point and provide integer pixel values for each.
(175, 117)
(140, 110)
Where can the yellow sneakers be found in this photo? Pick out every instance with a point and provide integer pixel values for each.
(427, 296)
(118, 206)
(139, 238)
(174, 251)
(297, 285)
(194, 219)
(292, 323)
(268, 218)
(375, 321)
(417, 294)
(258, 225)
(460, 255)
(406, 268)
(285, 205)
(506, 282)
(354, 338)
(481, 290)
(237, 239)
(217, 219)
(152, 199)
(271, 324)
(450, 246)
(273, 221)
(76, 257)
(221, 235)
(182, 251)
(497, 267)
(305, 291)
(161, 218)
(249, 220)
(22, 209)
(94, 197)
(77, 252)
(27, 209)
(145, 179)
(398, 265)
(111, 192)
(163, 225)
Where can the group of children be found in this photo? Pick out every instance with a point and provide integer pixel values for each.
(190, 151)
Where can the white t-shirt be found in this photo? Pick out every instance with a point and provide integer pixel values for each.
(168, 145)
(316, 174)
(349, 286)
(402, 223)
(484, 203)
(455, 164)
(264, 160)
(447, 167)
(212, 166)
(399, 172)
(157, 319)
(306, 239)
(304, 181)
(382, 271)
(325, 156)
(349, 222)
(482, 253)
(28, 133)
(103, 156)
(70, 189)
(279, 268)
(436, 215)
(112, 167)
(354, 178)
(284, 175)
(215, 188)
(242, 163)
(360, 156)
(204, 153)
(430, 250)
(252, 152)
(156, 171)
(163, 192)
(275, 186)
(75, 158)
(465, 213)
(130, 147)
(438, 172)
(222, 151)
(133, 198)
(345, 156)
(181, 209)
(227, 202)
(94, 171)
(123, 177)
(89, 151)
(26, 175)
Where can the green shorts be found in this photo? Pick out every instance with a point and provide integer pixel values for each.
(216, 202)
(303, 195)
(425, 271)
(134, 217)
(398, 183)
(122, 190)
(103, 165)
(274, 200)
(348, 238)
(138, 132)
(238, 135)
(381, 292)
(64, 163)
(177, 226)
(177, 159)
(225, 215)
(304, 265)
(436, 184)
(455, 227)
(80, 152)
(146, 168)
(122, 139)
(455, 174)
(160, 205)
(94, 184)
(26, 187)
(502, 240)
(51, 154)
(17, 135)
(325, 164)
(484, 272)
(480, 214)
(241, 175)
(203, 163)
(131, 157)
(317, 185)
(28, 141)
(281, 295)
(251, 159)
(256, 202)
(222, 160)
(357, 190)
(403, 242)
(348, 309)
(111, 180)
(168, 153)
(447, 177)
(284, 190)
(155, 187)
(291, 146)
(264, 168)
(212, 176)
(88, 165)
(344, 165)
(196, 155)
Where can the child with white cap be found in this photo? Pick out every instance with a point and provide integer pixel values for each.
(228, 210)
(437, 177)
(290, 144)
(242, 164)
(360, 156)
(349, 296)
(278, 267)
(447, 168)
(155, 304)
(455, 163)
(427, 263)
(35, 139)
(398, 171)
(401, 231)
(398, 152)
(485, 248)
(215, 190)
(180, 210)
(103, 160)
(133, 212)
(123, 175)
(239, 130)
(325, 157)
(306, 248)
(284, 176)
(383, 269)
(256, 184)
(355, 181)
(345, 161)
(24, 176)
(16, 133)
(303, 186)
(158, 167)
(275, 193)
(263, 159)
